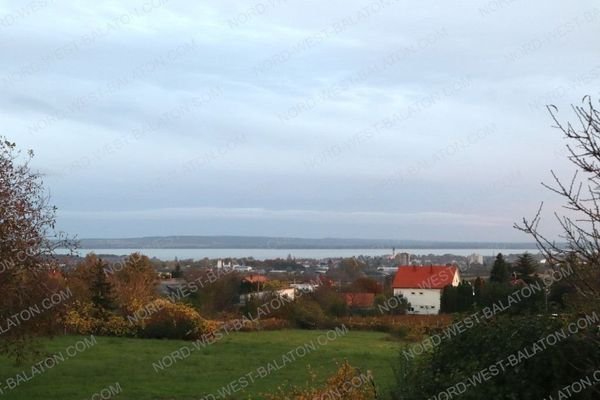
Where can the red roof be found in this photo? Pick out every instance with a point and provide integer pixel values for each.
(360, 300)
(424, 277)
(255, 279)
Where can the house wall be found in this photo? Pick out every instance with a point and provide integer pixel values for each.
(289, 293)
(422, 301)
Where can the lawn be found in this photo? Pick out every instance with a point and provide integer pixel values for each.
(130, 363)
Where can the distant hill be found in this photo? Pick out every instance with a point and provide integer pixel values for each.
(262, 242)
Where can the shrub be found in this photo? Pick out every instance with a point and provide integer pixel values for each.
(330, 301)
(173, 321)
(115, 325)
(83, 319)
(307, 314)
(348, 383)
(78, 319)
(458, 359)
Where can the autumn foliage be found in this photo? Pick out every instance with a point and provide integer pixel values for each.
(348, 383)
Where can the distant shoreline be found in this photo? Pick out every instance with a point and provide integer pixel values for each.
(262, 254)
(260, 242)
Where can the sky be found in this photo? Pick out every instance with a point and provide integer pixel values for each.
(356, 119)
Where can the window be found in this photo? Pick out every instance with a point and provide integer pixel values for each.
(420, 292)
(412, 292)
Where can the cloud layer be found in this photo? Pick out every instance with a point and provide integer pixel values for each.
(382, 118)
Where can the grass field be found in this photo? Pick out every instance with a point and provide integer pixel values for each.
(205, 371)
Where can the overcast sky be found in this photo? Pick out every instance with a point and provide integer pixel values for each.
(371, 119)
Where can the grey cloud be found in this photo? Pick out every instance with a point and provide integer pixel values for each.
(240, 164)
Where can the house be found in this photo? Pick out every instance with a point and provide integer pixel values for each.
(173, 285)
(288, 294)
(422, 286)
(360, 300)
(304, 287)
(253, 283)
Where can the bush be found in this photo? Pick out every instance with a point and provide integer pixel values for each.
(84, 319)
(462, 357)
(174, 321)
(348, 383)
(330, 301)
(78, 320)
(307, 314)
(408, 327)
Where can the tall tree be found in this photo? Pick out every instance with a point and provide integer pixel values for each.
(500, 270)
(27, 270)
(135, 282)
(101, 289)
(581, 195)
(525, 266)
(478, 287)
(449, 299)
(464, 296)
(177, 273)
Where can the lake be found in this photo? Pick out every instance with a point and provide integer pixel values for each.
(262, 254)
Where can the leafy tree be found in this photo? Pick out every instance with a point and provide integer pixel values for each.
(214, 295)
(28, 273)
(365, 285)
(500, 270)
(135, 282)
(349, 270)
(330, 301)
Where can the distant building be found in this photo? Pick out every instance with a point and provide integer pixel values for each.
(422, 286)
(288, 294)
(402, 258)
(475, 259)
(304, 287)
(168, 286)
(222, 264)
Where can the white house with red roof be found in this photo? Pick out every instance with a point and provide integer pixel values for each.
(422, 286)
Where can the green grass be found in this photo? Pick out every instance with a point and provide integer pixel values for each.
(129, 362)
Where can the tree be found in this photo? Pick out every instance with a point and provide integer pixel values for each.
(578, 260)
(478, 288)
(449, 299)
(500, 270)
(525, 266)
(457, 299)
(366, 285)
(464, 296)
(581, 193)
(349, 270)
(135, 283)
(330, 301)
(28, 273)
(101, 289)
(214, 296)
(177, 271)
